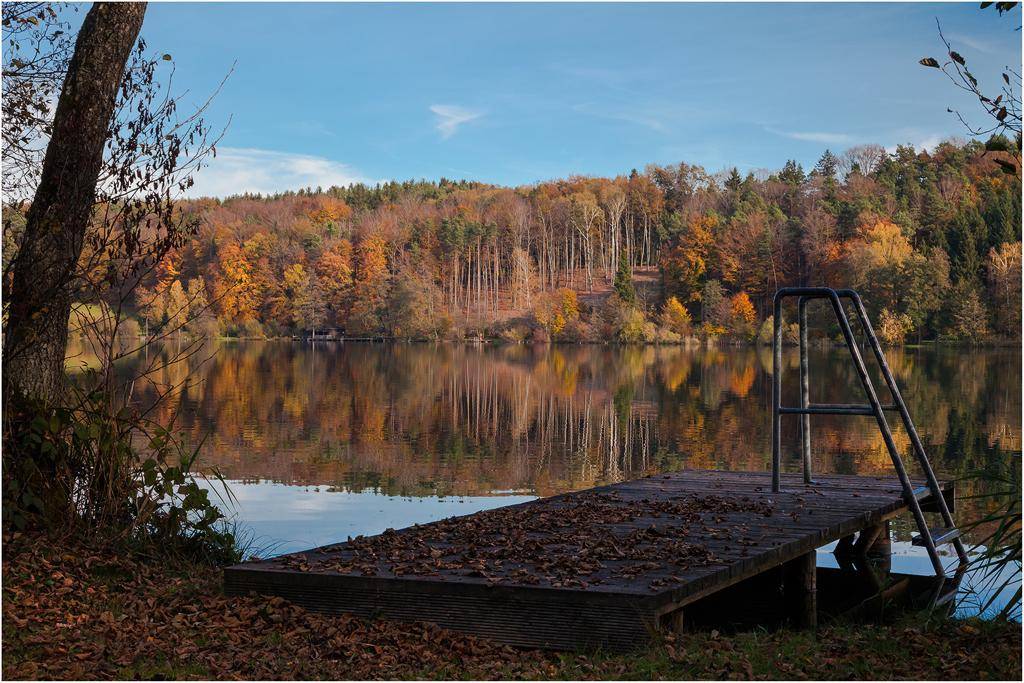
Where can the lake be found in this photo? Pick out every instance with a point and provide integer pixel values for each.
(321, 442)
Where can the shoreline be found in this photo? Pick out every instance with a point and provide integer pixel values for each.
(692, 342)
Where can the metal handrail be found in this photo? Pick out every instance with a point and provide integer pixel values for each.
(874, 407)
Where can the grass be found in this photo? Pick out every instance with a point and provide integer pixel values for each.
(86, 610)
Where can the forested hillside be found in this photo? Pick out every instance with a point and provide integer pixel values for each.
(931, 239)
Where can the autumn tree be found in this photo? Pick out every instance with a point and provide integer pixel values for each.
(234, 289)
(1004, 277)
(102, 220)
(415, 308)
(893, 327)
(554, 310)
(334, 272)
(310, 308)
(754, 251)
(716, 309)
(369, 291)
(675, 317)
(875, 259)
(742, 316)
(903, 227)
(684, 265)
(969, 315)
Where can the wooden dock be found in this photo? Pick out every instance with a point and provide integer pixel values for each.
(606, 567)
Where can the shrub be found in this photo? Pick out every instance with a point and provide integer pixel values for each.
(539, 335)
(675, 317)
(893, 328)
(553, 310)
(712, 329)
(251, 329)
(83, 466)
(969, 318)
(513, 333)
(790, 332)
(666, 336)
(634, 328)
(742, 315)
(206, 326)
(717, 309)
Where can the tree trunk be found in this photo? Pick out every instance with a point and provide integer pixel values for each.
(41, 290)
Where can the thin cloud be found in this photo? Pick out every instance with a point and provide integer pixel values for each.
(450, 117)
(237, 170)
(973, 43)
(814, 136)
(637, 117)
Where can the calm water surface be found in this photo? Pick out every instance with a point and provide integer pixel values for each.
(320, 442)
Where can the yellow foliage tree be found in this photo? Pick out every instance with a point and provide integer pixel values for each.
(234, 291)
(675, 317)
(684, 266)
(294, 276)
(330, 212)
(894, 327)
(370, 287)
(554, 310)
(334, 270)
(743, 314)
(879, 244)
(1004, 274)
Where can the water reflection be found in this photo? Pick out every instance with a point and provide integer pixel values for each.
(462, 420)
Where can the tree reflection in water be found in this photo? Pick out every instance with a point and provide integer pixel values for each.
(425, 419)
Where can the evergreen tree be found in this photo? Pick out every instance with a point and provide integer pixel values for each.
(1002, 214)
(792, 173)
(623, 284)
(733, 182)
(827, 165)
(967, 238)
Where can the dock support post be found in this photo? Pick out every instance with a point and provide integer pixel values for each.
(671, 622)
(877, 546)
(800, 590)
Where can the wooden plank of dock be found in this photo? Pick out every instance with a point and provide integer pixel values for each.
(605, 567)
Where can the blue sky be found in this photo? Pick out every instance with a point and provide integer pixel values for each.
(327, 94)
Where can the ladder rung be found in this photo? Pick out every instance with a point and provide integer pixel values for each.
(833, 409)
(930, 502)
(922, 492)
(939, 536)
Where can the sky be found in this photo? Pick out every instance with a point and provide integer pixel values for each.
(328, 94)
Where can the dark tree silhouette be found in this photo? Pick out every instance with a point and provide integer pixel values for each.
(56, 224)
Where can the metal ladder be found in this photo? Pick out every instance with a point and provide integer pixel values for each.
(929, 538)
